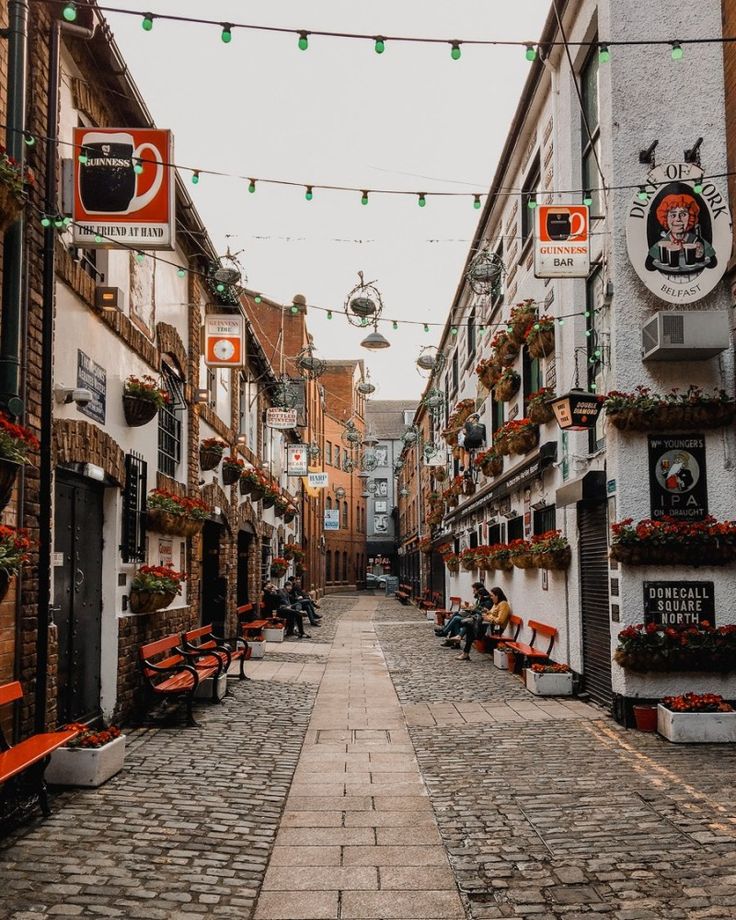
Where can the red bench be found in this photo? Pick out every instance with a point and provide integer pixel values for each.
(528, 652)
(441, 616)
(430, 601)
(179, 672)
(203, 639)
(30, 756)
(404, 594)
(509, 635)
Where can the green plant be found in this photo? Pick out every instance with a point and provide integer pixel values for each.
(14, 546)
(145, 388)
(697, 702)
(655, 647)
(87, 737)
(13, 175)
(158, 579)
(234, 463)
(16, 442)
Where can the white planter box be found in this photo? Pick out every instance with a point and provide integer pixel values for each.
(205, 689)
(273, 633)
(501, 659)
(86, 766)
(257, 648)
(696, 727)
(549, 684)
(431, 616)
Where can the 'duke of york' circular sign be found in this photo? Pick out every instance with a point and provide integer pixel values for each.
(679, 241)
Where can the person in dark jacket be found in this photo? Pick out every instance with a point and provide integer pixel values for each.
(452, 626)
(301, 600)
(277, 603)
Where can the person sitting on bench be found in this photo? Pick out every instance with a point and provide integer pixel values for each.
(277, 603)
(475, 626)
(301, 600)
(451, 629)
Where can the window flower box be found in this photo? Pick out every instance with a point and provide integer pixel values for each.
(549, 680)
(692, 409)
(86, 766)
(672, 542)
(653, 647)
(696, 719)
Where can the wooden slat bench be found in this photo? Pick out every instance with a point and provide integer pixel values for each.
(510, 634)
(178, 673)
(442, 616)
(27, 757)
(404, 594)
(430, 601)
(525, 653)
(227, 650)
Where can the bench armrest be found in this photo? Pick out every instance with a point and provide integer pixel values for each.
(172, 669)
(205, 653)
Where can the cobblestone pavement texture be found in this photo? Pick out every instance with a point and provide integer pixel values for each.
(566, 819)
(280, 808)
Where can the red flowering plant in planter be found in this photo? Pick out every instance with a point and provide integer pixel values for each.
(232, 468)
(505, 348)
(540, 337)
(142, 399)
(697, 702)
(522, 435)
(507, 385)
(14, 182)
(16, 442)
(170, 513)
(452, 561)
(552, 668)
(279, 565)
(499, 557)
(671, 542)
(655, 647)
(87, 737)
(538, 409)
(425, 546)
(521, 554)
(490, 463)
(521, 318)
(154, 587)
(550, 550)
(293, 551)
(643, 410)
(488, 371)
(467, 559)
(14, 547)
(210, 453)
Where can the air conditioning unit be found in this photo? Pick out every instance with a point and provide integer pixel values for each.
(689, 336)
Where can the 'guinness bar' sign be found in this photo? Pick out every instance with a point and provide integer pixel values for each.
(679, 603)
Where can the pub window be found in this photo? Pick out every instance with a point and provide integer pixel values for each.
(531, 375)
(345, 515)
(328, 565)
(345, 566)
(494, 534)
(497, 292)
(328, 453)
(530, 190)
(496, 415)
(471, 334)
(455, 372)
(515, 529)
(473, 539)
(545, 519)
(169, 421)
(133, 540)
(591, 135)
(337, 565)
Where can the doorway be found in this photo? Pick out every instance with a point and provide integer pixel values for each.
(78, 596)
(243, 587)
(593, 527)
(437, 577)
(214, 585)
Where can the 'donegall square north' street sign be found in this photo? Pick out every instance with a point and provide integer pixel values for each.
(679, 603)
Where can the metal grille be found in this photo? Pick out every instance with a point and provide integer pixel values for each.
(673, 328)
(169, 424)
(133, 545)
(593, 525)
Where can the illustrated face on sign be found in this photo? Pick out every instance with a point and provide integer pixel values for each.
(678, 471)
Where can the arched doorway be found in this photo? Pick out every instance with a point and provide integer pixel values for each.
(214, 585)
(246, 536)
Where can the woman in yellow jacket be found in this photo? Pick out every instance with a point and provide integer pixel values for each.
(475, 627)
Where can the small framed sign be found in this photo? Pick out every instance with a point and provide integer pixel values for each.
(677, 477)
(679, 603)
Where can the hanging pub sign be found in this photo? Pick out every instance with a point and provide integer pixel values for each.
(318, 479)
(679, 603)
(123, 188)
(283, 419)
(577, 410)
(296, 460)
(224, 335)
(678, 233)
(677, 478)
(562, 241)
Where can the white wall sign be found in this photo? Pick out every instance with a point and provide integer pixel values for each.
(562, 241)
(679, 239)
(224, 335)
(281, 418)
(296, 460)
(332, 519)
(318, 480)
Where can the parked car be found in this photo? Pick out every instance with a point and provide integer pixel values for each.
(375, 581)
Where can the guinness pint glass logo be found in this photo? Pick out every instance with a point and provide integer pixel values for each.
(679, 241)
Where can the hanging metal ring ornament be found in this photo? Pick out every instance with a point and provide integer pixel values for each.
(283, 394)
(363, 305)
(227, 279)
(434, 399)
(485, 272)
(410, 435)
(366, 388)
(313, 451)
(351, 437)
(348, 465)
(310, 366)
(430, 361)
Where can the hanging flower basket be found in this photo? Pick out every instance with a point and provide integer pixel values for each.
(14, 183)
(467, 560)
(289, 515)
(174, 514)
(671, 542)
(280, 506)
(232, 469)
(551, 551)
(148, 601)
(488, 371)
(507, 352)
(439, 473)
(16, 445)
(210, 453)
(11, 204)
(268, 500)
(164, 521)
(452, 561)
(142, 399)
(523, 436)
(279, 567)
(490, 463)
(521, 554)
(501, 443)
(14, 546)
(8, 475)
(539, 409)
(154, 587)
(658, 648)
(522, 316)
(508, 386)
(693, 409)
(540, 337)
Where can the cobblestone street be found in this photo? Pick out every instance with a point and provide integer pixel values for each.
(368, 775)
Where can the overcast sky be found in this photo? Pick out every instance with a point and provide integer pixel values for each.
(339, 114)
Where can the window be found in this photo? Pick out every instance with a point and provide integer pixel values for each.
(531, 375)
(328, 504)
(328, 565)
(591, 134)
(473, 539)
(530, 190)
(345, 515)
(337, 565)
(496, 415)
(328, 453)
(596, 437)
(497, 292)
(133, 542)
(471, 334)
(345, 576)
(515, 529)
(494, 534)
(545, 519)
(169, 422)
(212, 387)
(455, 372)
(337, 456)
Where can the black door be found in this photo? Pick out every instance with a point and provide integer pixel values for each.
(214, 586)
(593, 526)
(437, 577)
(244, 545)
(78, 596)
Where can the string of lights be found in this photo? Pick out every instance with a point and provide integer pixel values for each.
(380, 42)
(532, 199)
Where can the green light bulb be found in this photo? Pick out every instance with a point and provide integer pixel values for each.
(45, 221)
(531, 53)
(677, 51)
(67, 221)
(364, 198)
(604, 55)
(586, 314)
(98, 238)
(456, 53)
(380, 45)
(252, 186)
(587, 199)
(476, 202)
(453, 331)
(303, 41)
(329, 314)
(70, 12)
(481, 329)
(395, 325)
(147, 23)
(181, 272)
(426, 327)
(698, 187)
(561, 321)
(195, 177)
(309, 194)
(258, 298)
(220, 288)
(82, 157)
(139, 257)
(29, 139)
(294, 309)
(642, 194)
(138, 167)
(227, 33)
(531, 203)
(422, 201)
(58, 222)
